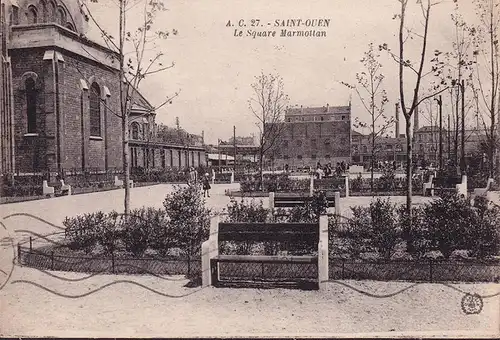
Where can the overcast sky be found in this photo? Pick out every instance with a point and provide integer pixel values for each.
(214, 69)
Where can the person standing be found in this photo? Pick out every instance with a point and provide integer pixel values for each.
(206, 186)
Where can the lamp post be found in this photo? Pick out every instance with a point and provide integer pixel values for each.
(440, 103)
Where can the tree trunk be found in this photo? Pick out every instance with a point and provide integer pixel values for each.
(124, 113)
(409, 164)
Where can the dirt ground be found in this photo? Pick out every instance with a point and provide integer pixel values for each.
(36, 303)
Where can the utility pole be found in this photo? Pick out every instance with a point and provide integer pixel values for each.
(440, 103)
(462, 161)
(449, 138)
(234, 144)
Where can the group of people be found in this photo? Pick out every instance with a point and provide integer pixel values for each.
(192, 179)
(327, 170)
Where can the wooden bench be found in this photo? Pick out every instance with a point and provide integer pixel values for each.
(429, 186)
(64, 189)
(280, 200)
(315, 234)
(330, 184)
(47, 190)
(484, 191)
(119, 182)
(445, 184)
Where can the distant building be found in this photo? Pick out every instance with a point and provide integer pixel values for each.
(313, 135)
(425, 146)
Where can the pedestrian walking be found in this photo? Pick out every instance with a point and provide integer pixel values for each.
(206, 186)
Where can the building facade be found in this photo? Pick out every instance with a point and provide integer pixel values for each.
(312, 135)
(60, 100)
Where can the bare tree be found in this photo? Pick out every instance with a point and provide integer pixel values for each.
(487, 76)
(138, 57)
(373, 98)
(408, 107)
(268, 105)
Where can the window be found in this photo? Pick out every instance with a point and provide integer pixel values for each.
(285, 144)
(199, 158)
(343, 117)
(327, 156)
(61, 17)
(299, 143)
(32, 15)
(180, 158)
(163, 161)
(15, 15)
(135, 130)
(144, 131)
(313, 156)
(95, 110)
(327, 142)
(322, 118)
(31, 99)
(299, 157)
(171, 158)
(51, 11)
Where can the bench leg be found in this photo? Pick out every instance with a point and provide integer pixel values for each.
(214, 272)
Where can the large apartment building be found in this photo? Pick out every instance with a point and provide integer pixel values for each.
(312, 135)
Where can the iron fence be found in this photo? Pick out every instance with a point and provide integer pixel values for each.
(112, 264)
(421, 271)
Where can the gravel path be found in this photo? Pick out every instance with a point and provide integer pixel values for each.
(35, 303)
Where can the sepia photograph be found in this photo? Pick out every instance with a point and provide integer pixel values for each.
(250, 168)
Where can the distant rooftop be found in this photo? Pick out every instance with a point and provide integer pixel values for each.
(319, 110)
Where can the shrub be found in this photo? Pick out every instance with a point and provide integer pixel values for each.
(415, 233)
(386, 182)
(143, 229)
(447, 221)
(82, 231)
(374, 228)
(483, 239)
(246, 211)
(357, 183)
(188, 218)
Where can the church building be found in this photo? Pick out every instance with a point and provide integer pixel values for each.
(59, 95)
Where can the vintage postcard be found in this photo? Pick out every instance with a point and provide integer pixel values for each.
(249, 168)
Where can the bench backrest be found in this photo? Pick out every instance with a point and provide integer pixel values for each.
(290, 201)
(446, 182)
(328, 183)
(259, 232)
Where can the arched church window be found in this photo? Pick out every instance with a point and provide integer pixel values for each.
(51, 12)
(95, 110)
(31, 99)
(42, 15)
(70, 26)
(135, 130)
(61, 17)
(14, 15)
(32, 15)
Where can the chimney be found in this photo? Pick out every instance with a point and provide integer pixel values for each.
(397, 120)
(301, 109)
(327, 107)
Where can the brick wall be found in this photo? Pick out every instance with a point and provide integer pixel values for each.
(305, 144)
(76, 148)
